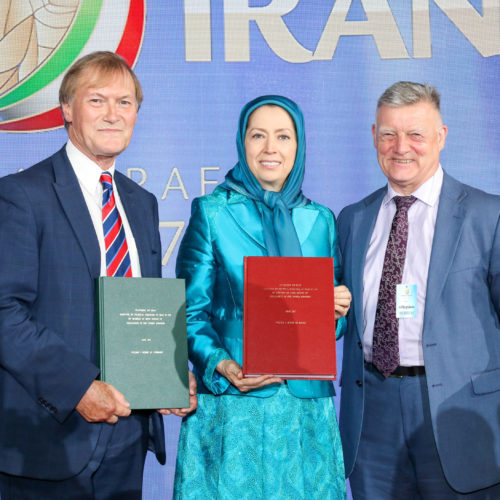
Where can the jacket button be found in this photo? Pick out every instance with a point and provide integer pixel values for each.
(359, 383)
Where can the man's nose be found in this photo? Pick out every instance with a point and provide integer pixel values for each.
(402, 144)
(111, 112)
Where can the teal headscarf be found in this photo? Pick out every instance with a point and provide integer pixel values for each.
(280, 235)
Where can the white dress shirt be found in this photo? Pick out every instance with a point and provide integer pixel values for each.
(89, 174)
(421, 222)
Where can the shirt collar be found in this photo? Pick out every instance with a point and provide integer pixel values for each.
(86, 170)
(428, 192)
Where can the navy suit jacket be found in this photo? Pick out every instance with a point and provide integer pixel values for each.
(49, 259)
(461, 331)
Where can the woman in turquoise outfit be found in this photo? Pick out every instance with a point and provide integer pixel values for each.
(259, 437)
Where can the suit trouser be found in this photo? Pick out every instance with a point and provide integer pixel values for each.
(113, 473)
(397, 457)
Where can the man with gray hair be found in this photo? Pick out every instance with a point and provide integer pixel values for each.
(420, 404)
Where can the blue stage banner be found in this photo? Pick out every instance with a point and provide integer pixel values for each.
(200, 61)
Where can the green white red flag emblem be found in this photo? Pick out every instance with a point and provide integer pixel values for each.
(40, 39)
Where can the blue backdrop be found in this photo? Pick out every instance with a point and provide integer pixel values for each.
(201, 60)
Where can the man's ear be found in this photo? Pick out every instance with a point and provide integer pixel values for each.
(442, 132)
(67, 112)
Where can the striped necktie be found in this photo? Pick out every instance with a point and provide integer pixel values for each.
(117, 256)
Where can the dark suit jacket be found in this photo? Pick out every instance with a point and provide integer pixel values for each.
(461, 331)
(49, 259)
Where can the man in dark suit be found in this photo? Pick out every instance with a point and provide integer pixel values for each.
(63, 433)
(420, 401)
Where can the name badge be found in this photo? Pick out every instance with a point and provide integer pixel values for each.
(406, 301)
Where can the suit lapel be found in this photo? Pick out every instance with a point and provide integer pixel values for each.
(138, 220)
(73, 204)
(247, 217)
(303, 220)
(449, 223)
(362, 229)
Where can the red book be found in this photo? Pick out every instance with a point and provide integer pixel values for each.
(289, 317)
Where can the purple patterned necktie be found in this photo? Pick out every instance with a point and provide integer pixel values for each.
(385, 332)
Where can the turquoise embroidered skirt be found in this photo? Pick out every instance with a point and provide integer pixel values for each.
(243, 447)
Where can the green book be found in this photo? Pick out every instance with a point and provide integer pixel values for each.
(142, 341)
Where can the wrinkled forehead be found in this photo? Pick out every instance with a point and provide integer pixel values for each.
(423, 112)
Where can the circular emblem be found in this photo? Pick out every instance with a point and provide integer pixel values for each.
(40, 39)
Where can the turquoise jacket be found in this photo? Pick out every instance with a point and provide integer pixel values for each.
(224, 227)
